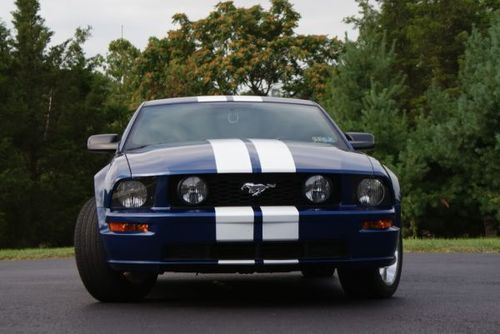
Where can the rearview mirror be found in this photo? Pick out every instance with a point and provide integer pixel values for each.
(361, 140)
(103, 143)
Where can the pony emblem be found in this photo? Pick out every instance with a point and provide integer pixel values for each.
(256, 189)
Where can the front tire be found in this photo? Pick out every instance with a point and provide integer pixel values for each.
(374, 282)
(103, 283)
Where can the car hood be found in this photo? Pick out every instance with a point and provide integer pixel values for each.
(200, 158)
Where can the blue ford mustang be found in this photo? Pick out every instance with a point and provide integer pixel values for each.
(238, 184)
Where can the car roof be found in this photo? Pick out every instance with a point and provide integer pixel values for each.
(227, 98)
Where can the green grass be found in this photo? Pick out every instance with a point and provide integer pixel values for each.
(473, 245)
(36, 253)
(477, 245)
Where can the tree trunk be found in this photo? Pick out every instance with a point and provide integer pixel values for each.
(490, 226)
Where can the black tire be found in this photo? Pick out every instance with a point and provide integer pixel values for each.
(369, 283)
(103, 283)
(318, 271)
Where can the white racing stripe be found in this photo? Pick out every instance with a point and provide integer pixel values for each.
(231, 156)
(234, 223)
(211, 98)
(274, 156)
(294, 261)
(236, 262)
(280, 223)
(243, 98)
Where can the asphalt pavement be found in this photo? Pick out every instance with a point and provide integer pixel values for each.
(438, 293)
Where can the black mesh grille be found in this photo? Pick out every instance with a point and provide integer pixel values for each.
(225, 190)
(257, 250)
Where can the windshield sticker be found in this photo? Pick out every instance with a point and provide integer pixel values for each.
(324, 140)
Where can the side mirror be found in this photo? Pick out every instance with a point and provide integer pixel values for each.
(361, 140)
(103, 143)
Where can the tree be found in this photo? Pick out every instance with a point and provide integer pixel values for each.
(29, 81)
(121, 70)
(237, 50)
(79, 108)
(5, 63)
(365, 89)
(474, 128)
(54, 100)
(423, 42)
(24, 119)
(167, 69)
(5, 145)
(430, 40)
(452, 159)
(120, 63)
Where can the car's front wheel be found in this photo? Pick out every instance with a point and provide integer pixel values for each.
(374, 282)
(101, 281)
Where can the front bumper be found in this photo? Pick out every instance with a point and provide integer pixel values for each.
(323, 237)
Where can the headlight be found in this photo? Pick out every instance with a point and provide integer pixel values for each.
(317, 189)
(192, 190)
(370, 192)
(130, 194)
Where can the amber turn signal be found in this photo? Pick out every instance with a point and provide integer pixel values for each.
(126, 227)
(381, 224)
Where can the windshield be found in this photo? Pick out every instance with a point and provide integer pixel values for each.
(189, 122)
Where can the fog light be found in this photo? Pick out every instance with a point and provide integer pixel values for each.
(126, 227)
(381, 224)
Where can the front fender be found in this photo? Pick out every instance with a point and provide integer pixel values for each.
(104, 181)
(395, 183)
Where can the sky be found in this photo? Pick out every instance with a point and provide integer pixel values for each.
(142, 19)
